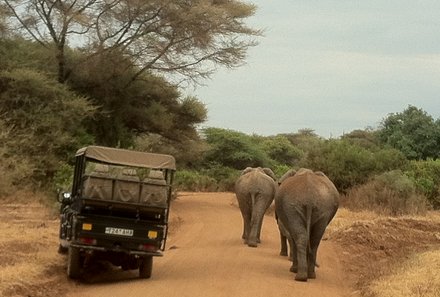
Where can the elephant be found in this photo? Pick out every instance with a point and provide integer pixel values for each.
(305, 203)
(284, 239)
(255, 190)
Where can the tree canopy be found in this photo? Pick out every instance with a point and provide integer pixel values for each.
(414, 132)
(187, 39)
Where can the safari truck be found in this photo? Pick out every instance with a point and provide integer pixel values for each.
(117, 210)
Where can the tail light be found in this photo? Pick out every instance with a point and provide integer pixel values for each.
(148, 247)
(87, 241)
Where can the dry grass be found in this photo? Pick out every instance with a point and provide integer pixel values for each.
(419, 276)
(374, 246)
(345, 218)
(30, 263)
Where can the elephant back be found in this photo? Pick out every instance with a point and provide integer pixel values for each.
(308, 186)
(255, 180)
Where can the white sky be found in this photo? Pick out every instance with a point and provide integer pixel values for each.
(330, 65)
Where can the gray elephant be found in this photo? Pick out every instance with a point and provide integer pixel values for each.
(284, 239)
(305, 203)
(255, 190)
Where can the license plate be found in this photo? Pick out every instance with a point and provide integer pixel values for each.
(118, 231)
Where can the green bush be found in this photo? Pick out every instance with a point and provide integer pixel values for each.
(234, 149)
(211, 179)
(63, 178)
(390, 193)
(187, 180)
(348, 165)
(426, 177)
(44, 120)
(279, 170)
(280, 149)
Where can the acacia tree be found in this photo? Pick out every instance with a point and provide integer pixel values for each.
(148, 105)
(186, 37)
(52, 22)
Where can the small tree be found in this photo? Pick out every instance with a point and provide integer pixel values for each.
(281, 150)
(413, 132)
(233, 149)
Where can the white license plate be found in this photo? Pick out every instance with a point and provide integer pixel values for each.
(118, 231)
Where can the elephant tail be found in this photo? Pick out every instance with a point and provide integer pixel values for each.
(308, 213)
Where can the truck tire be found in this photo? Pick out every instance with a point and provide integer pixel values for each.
(62, 250)
(73, 262)
(146, 267)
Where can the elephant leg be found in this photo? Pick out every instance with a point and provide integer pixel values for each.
(292, 253)
(293, 256)
(283, 240)
(316, 234)
(246, 227)
(246, 214)
(298, 233)
(256, 224)
(301, 252)
(253, 235)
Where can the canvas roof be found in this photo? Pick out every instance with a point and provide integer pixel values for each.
(128, 157)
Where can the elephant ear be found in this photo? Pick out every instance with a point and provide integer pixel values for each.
(270, 173)
(246, 170)
(289, 173)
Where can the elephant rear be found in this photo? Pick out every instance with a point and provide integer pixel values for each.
(306, 202)
(255, 190)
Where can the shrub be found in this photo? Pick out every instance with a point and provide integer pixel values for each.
(280, 149)
(187, 180)
(43, 120)
(426, 177)
(279, 170)
(391, 193)
(213, 178)
(63, 178)
(224, 177)
(348, 165)
(234, 149)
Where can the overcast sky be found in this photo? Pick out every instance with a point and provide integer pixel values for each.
(330, 65)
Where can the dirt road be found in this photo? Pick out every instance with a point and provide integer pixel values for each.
(205, 256)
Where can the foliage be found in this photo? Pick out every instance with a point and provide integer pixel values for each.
(20, 53)
(63, 178)
(234, 149)
(413, 132)
(188, 153)
(279, 170)
(348, 164)
(44, 121)
(187, 180)
(390, 193)
(281, 150)
(426, 177)
(150, 105)
(211, 179)
(186, 38)
(367, 138)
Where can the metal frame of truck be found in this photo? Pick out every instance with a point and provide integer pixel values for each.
(125, 230)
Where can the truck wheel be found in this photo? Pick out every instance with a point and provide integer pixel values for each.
(73, 262)
(146, 267)
(62, 250)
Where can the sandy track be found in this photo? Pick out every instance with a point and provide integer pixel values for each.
(205, 256)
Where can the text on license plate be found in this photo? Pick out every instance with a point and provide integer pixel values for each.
(118, 231)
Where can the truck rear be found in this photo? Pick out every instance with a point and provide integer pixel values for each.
(118, 209)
